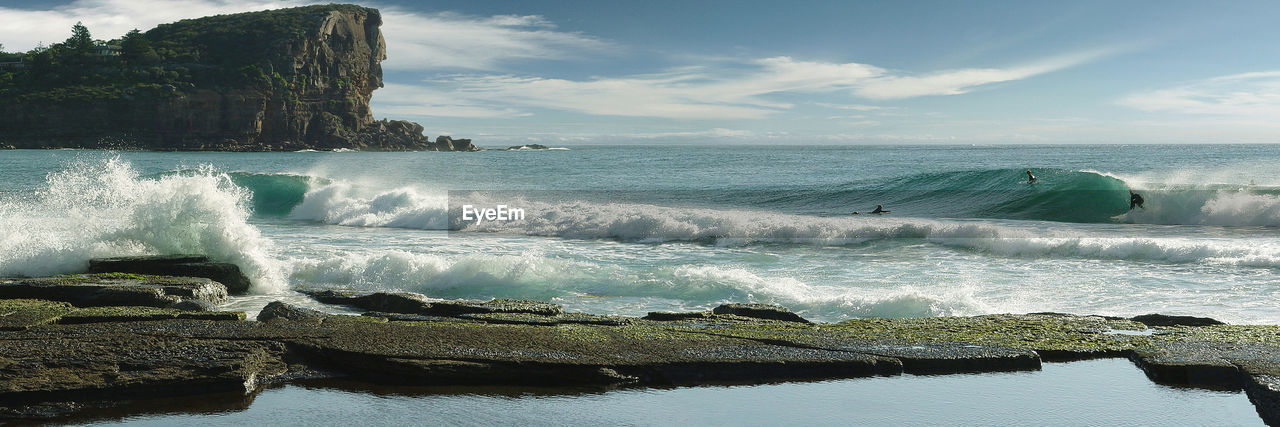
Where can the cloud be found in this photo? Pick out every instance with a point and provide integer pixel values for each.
(22, 29)
(1247, 95)
(746, 90)
(854, 107)
(415, 41)
(448, 40)
(955, 82)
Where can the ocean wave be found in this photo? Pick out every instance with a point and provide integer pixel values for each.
(1058, 195)
(697, 287)
(655, 224)
(342, 203)
(104, 208)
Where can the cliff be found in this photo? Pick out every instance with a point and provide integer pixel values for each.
(287, 79)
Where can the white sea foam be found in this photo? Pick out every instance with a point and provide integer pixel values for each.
(103, 208)
(1223, 197)
(698, 286)
(343, 203)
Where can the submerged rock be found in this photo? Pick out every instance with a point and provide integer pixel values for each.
(176, 265)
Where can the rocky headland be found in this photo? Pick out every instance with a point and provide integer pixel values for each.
(83, 342)
(279, 80)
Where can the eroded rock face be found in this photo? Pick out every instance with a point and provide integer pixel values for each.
(113, 289)
(229, 275)
(286, 311)
(759, 311)
(315, 95)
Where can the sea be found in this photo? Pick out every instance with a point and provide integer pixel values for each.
(630, 229)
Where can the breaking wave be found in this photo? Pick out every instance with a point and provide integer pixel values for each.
(104, 208)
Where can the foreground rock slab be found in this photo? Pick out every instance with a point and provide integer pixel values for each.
(115, 289)
(64, 356)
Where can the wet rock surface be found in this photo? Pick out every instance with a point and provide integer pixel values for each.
(227, 274)
(413, 303)
(759, 311)
(1165, 320)
(281, 310)
(56, 357)
(112, 289)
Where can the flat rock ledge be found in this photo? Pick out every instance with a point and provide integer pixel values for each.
(58, 358)
(116, 289)
(227, 274)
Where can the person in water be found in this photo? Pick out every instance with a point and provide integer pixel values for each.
(879, 210)
(1031, 179)
(1135, 199)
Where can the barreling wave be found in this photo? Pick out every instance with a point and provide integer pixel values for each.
(104, 208)
(1058, 195)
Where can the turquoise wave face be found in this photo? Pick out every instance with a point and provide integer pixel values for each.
(273, 194)
(1057, 195)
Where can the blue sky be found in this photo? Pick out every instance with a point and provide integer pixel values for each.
(802, 72)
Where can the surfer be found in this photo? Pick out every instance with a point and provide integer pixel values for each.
(879, 210)
(1031, 179)
(1135, 199)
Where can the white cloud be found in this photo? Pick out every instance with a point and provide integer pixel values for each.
(854, 107)
(739, 91)
(451, 41)
(955, 82)
(22, 29)
(1247, 95)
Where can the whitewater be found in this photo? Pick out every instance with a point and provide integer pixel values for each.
(632, 229)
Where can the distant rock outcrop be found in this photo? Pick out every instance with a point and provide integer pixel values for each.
(446, 143)
(528, 147)
(279, 80)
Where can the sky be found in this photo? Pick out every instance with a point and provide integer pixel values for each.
(798, 72)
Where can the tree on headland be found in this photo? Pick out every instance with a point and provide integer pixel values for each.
(135, 49)
(80, 43)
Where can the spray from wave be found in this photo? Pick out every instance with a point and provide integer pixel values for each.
(104, 208)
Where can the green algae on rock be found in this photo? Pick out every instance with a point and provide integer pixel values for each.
(50, 356)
